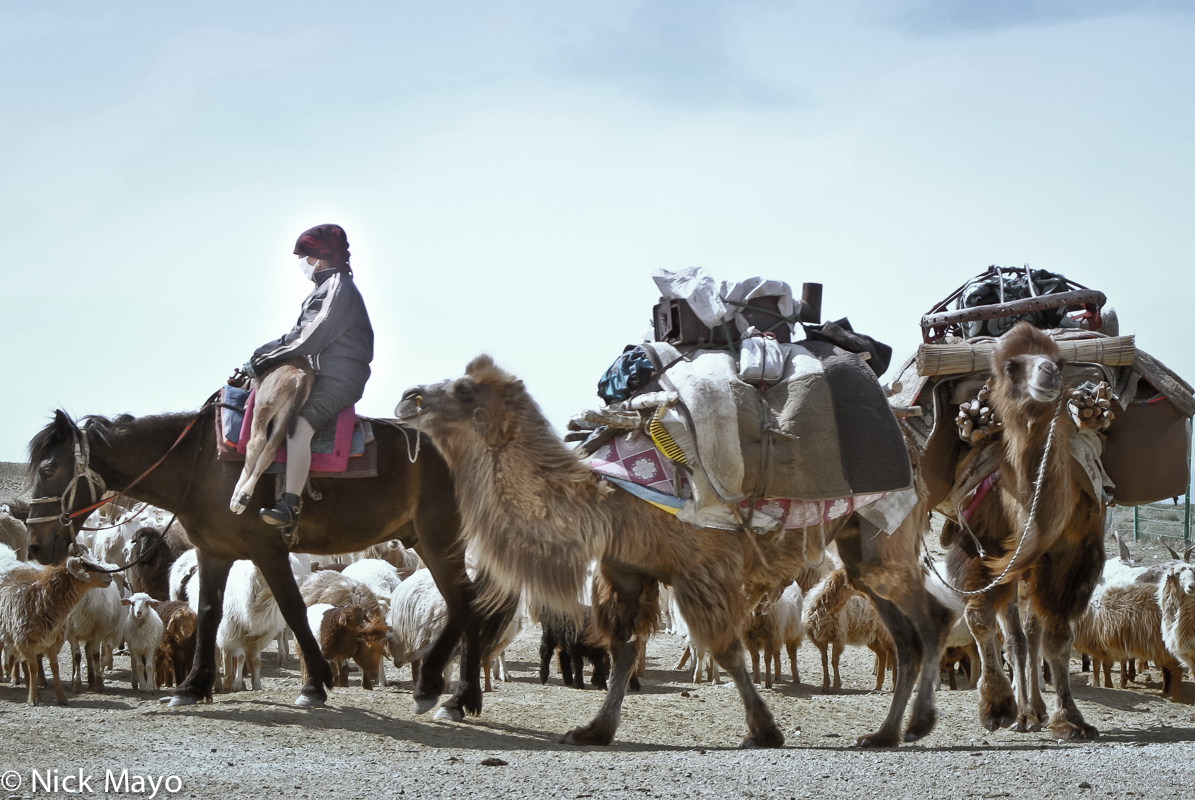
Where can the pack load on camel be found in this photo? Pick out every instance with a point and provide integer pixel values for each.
(1035, 414)
(727, 422)
(1131, 412)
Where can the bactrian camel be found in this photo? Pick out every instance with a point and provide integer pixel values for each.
(1047, 534)
(535, 516)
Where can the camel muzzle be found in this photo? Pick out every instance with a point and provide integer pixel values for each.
(1045, 381)
(411, 403)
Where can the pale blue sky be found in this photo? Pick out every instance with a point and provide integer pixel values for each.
(510, 173)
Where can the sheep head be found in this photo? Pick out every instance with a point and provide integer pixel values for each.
(1183, 576)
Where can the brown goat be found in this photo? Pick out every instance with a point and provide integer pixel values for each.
(173, 659)
(34, 605)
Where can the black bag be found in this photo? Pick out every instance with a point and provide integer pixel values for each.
(985, 291)
(629, 373)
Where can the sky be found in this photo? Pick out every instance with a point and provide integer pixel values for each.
(510, 173)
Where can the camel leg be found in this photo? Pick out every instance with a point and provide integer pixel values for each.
(1066, 722)
(1017, 645)
(213, 575)
(627, 590)
(908, 659)
(1037, 705)
(997, 708)
(761, 725)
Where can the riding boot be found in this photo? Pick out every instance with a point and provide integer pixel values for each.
(284, 517)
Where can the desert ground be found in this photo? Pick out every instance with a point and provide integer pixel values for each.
(677, 740)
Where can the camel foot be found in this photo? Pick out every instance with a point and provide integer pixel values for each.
(997, 712)
(764, 739)
(921, 725)
(1071, 730)
(451, 714)
(424, 705)
(1026, 722)
(311, 701)
(878, 739)
(588, 735)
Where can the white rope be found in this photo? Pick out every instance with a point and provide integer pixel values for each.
(1041, 471)
(407, 439)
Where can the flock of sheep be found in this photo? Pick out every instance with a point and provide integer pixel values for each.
(365, 607)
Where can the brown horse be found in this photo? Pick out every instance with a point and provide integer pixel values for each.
(411, 499)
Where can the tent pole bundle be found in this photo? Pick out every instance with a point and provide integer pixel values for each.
(958, 359)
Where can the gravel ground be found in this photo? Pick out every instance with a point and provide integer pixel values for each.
(370, 744)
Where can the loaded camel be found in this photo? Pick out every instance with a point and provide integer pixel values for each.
(527, 502)
(1042, 525)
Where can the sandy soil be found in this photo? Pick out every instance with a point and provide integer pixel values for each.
(676, 740)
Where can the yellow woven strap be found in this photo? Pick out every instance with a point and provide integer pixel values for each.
(663, 440)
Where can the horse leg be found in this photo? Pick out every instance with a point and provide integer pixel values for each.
(213, 575)
(482, 632)
(628, 593)
(997, 708)
(272, 559)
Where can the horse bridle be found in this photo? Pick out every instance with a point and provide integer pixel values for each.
(95, 483)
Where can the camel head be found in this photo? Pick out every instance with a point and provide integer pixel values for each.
(1027, 366)
(486, 405)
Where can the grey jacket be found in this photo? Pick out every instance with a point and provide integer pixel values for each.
(333, 333)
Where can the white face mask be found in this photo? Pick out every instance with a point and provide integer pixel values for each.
(307, 267)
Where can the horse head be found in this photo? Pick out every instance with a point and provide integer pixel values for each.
(62, 482)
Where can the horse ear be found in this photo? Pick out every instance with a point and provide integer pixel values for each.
(63, 425)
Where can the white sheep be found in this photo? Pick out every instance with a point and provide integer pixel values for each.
(251, 620)
(13, 533)
(418, 614)
(789, 614)
(1121, 623)
(93, 629)
(182, 570)
(836, 615)
(1176, 598)
(143, 633)
(701, 655)
(380, 576)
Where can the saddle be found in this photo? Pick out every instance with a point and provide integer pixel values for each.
(344, 448)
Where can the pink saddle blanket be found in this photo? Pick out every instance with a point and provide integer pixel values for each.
(336, 460)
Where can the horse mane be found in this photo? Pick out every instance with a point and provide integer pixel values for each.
(98, 428)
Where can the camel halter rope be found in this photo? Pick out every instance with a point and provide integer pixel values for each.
(1041, 471)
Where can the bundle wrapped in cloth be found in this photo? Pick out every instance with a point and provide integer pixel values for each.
(812, 446)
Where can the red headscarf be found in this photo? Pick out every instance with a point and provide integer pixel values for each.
(326, 242)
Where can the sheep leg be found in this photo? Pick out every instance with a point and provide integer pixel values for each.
(213, 575)
(792, 662)
(95, 671)
(1107, 670)
(1066, 722)
(684, 658)
(836, 649)
(76, 668)
(997, 708)
(825, 668)
(761, 725)
(754, 664)
(1023, 664)
(547, 649)
(628, 593)
(30, 658)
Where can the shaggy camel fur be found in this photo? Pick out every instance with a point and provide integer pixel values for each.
(280, 393)
(536, 516)
(1057, 550)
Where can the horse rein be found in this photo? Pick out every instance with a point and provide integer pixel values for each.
(95, 483)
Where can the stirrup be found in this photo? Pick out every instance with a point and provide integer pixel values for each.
(284, 517)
